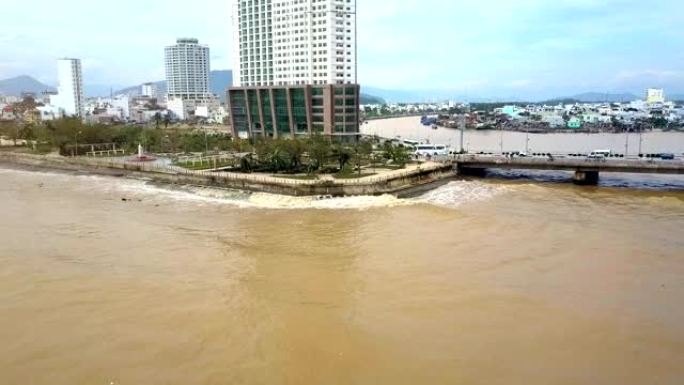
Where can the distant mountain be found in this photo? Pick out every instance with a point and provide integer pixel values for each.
(402, 96)
(16, 86)
(370, 99)
(428, 96)
(675, 97)
(137, 90)
(219, 81)
(597, 97)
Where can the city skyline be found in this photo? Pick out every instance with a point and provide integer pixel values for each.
(530, 49)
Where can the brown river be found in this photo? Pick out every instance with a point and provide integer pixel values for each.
(495, 281)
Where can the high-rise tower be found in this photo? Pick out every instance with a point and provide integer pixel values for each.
(69, 98)
(187, 70)
(294, 42)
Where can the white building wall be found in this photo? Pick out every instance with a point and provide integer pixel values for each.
(178, 107)
(654, 95)
(123, 103)
(252, 42)
(149, 90)
(284, 42)
(70, 96)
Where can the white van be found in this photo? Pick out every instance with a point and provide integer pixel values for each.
(431, 150)
(600, 154)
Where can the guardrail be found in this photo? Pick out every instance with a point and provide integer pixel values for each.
(634, 165)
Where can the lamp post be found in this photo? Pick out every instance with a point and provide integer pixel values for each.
(626, 142)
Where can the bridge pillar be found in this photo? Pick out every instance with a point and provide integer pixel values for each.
(586, 178)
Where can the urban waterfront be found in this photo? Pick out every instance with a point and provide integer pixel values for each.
(491, 140)
(478, 282)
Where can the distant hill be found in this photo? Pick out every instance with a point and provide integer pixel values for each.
(16, 86)
(676, 97)
(370, 99)
(597, 97)
(219, 81)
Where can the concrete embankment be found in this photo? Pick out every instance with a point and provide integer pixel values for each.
(396, 182)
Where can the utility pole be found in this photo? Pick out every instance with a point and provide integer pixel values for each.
(527, 142)
(641, 138)
(626, 142)
(462, 123)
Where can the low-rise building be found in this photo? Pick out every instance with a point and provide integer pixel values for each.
(575, 123)
(296, 110)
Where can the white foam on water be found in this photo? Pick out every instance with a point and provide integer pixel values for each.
(451, 195)
(459, 193)
(271, 201)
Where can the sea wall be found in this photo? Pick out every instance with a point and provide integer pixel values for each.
(389, 183)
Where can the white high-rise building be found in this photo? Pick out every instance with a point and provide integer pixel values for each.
(294, 42)
(187, 70)
(69, 99)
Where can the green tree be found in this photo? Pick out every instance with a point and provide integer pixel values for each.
(401, 156)
(319, 152)
(342, 154)
(361, 151)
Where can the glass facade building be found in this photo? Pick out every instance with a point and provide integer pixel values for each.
(296, 110)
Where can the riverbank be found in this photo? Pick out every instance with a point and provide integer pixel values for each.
(394, 182)
(509, 141)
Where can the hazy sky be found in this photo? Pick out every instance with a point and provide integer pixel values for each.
(518, 48)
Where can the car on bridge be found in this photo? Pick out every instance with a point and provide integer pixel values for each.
(600, 154)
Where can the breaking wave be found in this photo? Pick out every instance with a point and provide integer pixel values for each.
(451, 195)
(458, 193)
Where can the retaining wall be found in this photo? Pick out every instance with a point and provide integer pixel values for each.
(389, 183)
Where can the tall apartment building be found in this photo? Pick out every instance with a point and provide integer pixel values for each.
(294, 42)
(187, 78)
(69, 99)
(294, 68)
(187, 70)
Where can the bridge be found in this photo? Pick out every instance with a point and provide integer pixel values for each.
(586, 170)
